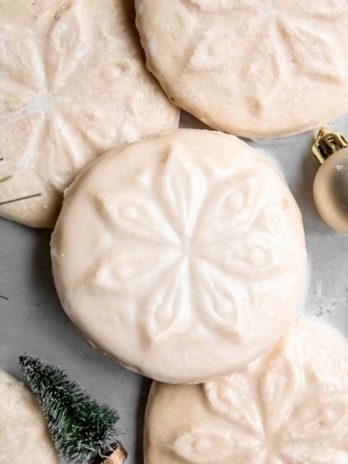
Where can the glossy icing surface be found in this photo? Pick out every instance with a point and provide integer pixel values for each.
(23, 431)
(72, 84)
(288, 407)
(256, 68)
(182, 257)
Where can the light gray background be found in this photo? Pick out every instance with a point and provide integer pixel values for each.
(32, 319)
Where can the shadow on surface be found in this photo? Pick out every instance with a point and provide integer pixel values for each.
(142, 401)
(49, 312)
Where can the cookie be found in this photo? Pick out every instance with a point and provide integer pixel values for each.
(72, 84)
(182, 256)
(253, 68)
(23, 431)
(289, 407)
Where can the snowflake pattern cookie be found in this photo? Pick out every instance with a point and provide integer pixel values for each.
(23, 432)
(289, 407)
(72, 85)
(182, 257)
(255, 68)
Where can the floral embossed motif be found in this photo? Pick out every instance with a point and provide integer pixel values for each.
(279, 410)
(282, 43)
(40, 92)
(61, 98)
(56, 89)
(193, 250)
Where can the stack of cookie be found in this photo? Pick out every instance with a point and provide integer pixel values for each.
(180, 253)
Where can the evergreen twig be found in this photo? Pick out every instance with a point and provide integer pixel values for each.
(27, 197)
(14, 200)
(5, 178)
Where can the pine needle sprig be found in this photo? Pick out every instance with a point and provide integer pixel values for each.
(14, 200)
(3, 179)
(81, 427)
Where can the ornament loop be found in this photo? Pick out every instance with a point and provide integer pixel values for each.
(328, 143)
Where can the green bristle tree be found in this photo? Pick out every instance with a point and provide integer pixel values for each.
(81, 428)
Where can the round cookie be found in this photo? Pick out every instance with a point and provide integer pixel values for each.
(182, 256)
(289, 407)
(72, 84)
(260, 69)
(23, 431)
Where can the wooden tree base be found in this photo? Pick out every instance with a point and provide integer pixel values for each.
(118, 456)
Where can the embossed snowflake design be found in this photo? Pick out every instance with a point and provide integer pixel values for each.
(63, 94)
(35, 78)
(286, 41)
(191, 250)
(287, 410)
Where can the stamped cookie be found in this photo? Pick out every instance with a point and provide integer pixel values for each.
(23, 432)
(289, 407)
(255, 68)
(182, 257)
(72, 85)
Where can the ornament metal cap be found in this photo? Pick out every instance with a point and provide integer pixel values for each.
(327, 143)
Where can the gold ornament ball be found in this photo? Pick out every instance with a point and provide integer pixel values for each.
(330, 187)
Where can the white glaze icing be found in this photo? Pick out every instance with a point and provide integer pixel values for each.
(259, 69)
(183, 244)
(23, 431)
(288, 407)
(72, 84)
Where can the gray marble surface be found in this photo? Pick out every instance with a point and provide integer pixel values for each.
(32, 320)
